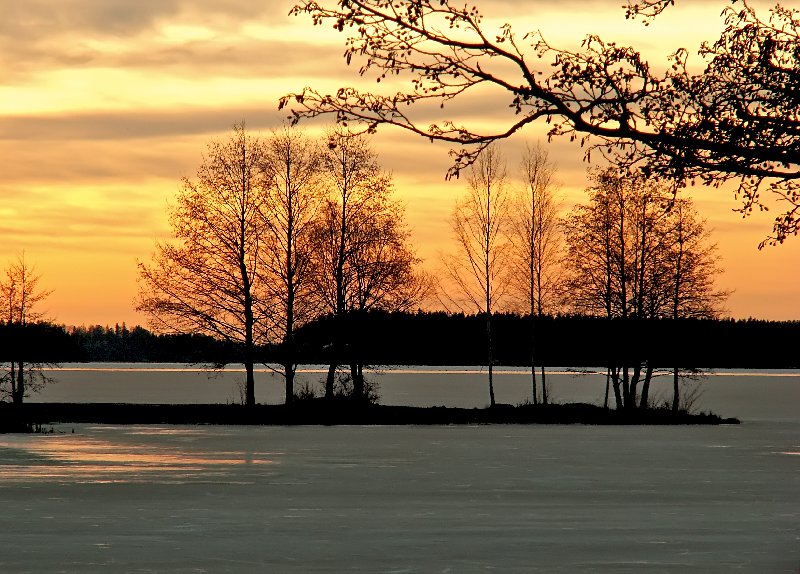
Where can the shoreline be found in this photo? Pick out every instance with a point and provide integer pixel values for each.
(341, 412)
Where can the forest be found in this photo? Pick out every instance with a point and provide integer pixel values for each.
(439, 338)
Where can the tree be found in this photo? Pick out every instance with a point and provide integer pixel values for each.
(478, 269)
(21, 298)
(211, 279)
(635, 252)
(292, 204)
(535, 245)
(738, 120)
(695, 264)
(361, 254)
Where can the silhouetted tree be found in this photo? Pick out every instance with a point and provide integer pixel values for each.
(536, 244)
(361, 255)
(211, 279)
(293, 201)
(628, 252)
(737, 120)
(478, 269)
(695, 265)
(21, 298)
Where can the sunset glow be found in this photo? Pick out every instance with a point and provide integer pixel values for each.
(106, 106)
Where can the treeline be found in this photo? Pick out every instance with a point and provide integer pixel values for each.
(438, 338)
(123, 345)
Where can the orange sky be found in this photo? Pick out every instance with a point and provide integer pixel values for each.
(106, 105)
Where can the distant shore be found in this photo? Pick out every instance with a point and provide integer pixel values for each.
(319, 412)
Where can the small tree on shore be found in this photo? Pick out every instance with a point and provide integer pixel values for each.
(628, 258)
(211, 279)
(21, 296)
(292, 205)
(477, 271)
(536, 243)
(695, 265)
(361, 254)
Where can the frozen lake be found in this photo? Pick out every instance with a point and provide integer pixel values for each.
(768, 395)
(406, 499)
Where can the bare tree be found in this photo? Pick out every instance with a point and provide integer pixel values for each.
(610, 257)
(362, 258)
(21, 298)
(292, 204)
(384, 277)
(478, 268)
(737, 120)
(210, 279)
(536, 245)
(695, 263)
(628, 257)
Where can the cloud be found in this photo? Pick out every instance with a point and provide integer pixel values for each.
(75, 163)
(37, 19)
(40, 35)
(127, 125)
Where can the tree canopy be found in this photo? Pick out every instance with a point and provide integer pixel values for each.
(211, 278)
(737, 120)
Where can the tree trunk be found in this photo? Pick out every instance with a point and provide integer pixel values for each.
(288, 338)
(18, 389)
(250, 384)
(289, 353)
(608, 384)
(617, 392)
(626, 389)
(545, 394)
(676, 390)
(288, 373)
(648, 376)
(289, 361)
(249, 353)
(637, 374)
(533, 358)
(490, 357)
(330, 380)
(357, 374)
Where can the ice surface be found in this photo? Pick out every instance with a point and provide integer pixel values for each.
(402, 499)
(742, 394)
(506, 499)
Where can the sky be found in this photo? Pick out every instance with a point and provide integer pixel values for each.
(106, 104)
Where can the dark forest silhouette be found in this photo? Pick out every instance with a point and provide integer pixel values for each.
(439, 338)
(413, 338)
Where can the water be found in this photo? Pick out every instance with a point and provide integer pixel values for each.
(407, 499)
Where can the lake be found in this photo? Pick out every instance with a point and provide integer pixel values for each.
(499, 498)
(750, 395)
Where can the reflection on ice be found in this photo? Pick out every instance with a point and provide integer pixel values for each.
(81, 459)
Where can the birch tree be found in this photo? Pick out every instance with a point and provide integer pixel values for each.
(21, 297)
(536, 243)
(477, 270)
(634, 251)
